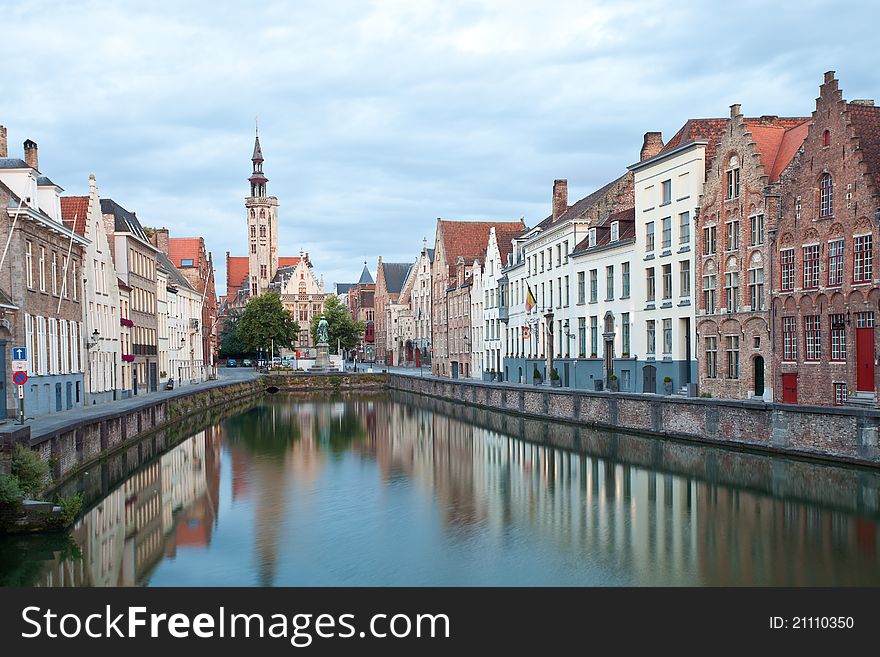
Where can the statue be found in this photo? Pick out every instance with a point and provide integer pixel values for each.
(323, 337)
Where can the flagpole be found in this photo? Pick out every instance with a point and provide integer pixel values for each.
(66, 265)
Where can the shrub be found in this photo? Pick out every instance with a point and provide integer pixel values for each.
(10, 493)
(706, 395)
(667, 379)
(613, 377)
(70, 508)
(536, 375)
(31, 471)
(554, 375)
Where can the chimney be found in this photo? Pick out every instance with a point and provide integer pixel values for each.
(651, 146)
(4, 147)
(30, 154)
(829, 76)
(160, 240)
(560, 197)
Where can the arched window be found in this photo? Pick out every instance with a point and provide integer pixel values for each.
(253, 214)
(262, 231)
(826, 195)
(302, 288)
(826, 138)
(733, 178)
(262, 214)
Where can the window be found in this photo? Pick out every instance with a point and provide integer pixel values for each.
(262, 231)
(649, 236)
(863, 259)
(651, 336)
(566, 292)
(839, 390)
(709, 235)
(186, 262)
(811, 266)
(549, 257)
(263, 271)
(594, 335)
(709, 294)
(756, 288)
(826, 138)
(666, 189)
(609, 283)
(615, 231)
(667, 282)
(624, 272)
(253, 247)
(684, 228)
(684, 278)
(253, 231)
(826, 195)
(838, 337)
(582, 336)
(542, 260)
(756, 235)
(835, 262)
(786, 263)
(624, 332)
(732, 347)
(731, 289)
(650, 283)
(666, 225)
(865, 320)
(712, 357)
(558, 255)
(732, 235)
(733, 179)
(667, 337)
(42, 269)
(594, 285)
(581, 288)
(29, 263)
(812, 337)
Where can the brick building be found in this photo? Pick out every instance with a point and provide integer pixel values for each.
(826, 290)
(362, 303)
(390, 277)
(458, 244)
(739, 209)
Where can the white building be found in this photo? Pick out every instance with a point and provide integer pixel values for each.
(667, 197)
(479, 364)
(101, 309)
(421, 303)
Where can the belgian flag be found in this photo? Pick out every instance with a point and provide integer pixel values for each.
(531, 302)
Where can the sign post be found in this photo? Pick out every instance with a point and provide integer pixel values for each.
(19, 377)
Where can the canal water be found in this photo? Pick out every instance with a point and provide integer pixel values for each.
(393, 489)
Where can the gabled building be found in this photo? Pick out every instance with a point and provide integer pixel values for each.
(103, 347)
(420, 299)
(390, 277)
(491, 316)
(302, 294)
(41, 294)
(179, 326)
(738, 215)
(362, 303)
(825, 284)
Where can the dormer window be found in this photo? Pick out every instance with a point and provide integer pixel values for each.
(186, 262)
(615, 231)
(592, 237)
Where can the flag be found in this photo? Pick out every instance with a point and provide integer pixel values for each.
(525, 332)
(531, 302)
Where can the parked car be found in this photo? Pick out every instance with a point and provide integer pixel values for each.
(276, 361)
(287, 362)
(231, 363)
(247, 362)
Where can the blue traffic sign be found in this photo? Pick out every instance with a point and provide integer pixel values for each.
(19, 353)
(19, 378)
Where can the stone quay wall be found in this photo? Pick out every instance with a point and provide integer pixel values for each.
(831, 433)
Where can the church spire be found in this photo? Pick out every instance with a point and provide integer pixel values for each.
(258, 179)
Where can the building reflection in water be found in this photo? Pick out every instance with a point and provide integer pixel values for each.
(629, 510)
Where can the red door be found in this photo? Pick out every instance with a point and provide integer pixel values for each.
(865, 359)
(789, 388)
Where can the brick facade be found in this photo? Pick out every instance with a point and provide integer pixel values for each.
(825, 302)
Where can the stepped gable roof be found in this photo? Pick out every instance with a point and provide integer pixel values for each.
(469, 239)
(865, 120)
(777, 140)
(395, 274)
(124, 221)
(75, 207)
(237, 271)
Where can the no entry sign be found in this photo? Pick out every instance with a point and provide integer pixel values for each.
(19, 378)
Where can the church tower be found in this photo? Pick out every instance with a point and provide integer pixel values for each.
(262, 211)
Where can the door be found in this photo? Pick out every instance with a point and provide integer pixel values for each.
(649, 379)
(69, 395)
(565, 375)
(418, 357)
(3, 379)
(759, 376)
(154, 381)
(789, 388)
(454, 370)
(58, 397)
(865, 359)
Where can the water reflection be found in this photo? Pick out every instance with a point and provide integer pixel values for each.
(405, 490)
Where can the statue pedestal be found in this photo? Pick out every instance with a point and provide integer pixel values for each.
(322, 361)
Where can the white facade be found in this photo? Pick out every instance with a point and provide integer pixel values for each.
(478, 333)
(162, 325)
(101, 308)
(667, 195)
(124, 373)
(494, 299)
(421, 300)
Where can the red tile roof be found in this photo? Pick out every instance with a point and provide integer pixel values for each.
(777, 141)
(184, 248)
(708, 130)
(237, 272)
(469, 239)
(866, 122)
(75, 207)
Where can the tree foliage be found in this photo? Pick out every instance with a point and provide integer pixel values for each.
(230, 342)
(341, 328)
(265, 320)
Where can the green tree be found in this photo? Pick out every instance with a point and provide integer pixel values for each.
(265, 320)
(341, 328)
(230, 342)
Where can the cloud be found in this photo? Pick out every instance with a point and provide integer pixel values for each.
(376, 118)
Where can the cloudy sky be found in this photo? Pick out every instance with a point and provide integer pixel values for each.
(378, 117)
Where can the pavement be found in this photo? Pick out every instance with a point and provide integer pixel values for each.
(53, 422)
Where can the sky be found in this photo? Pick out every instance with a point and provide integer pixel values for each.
(376, 118)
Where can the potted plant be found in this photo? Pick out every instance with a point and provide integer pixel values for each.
(492, 374)
(625, 354)
(667, 384)
(594, 355)
(536, 377)
(554, 378)
(613, 384)
(582, 355)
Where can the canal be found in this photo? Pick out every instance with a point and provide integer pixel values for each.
(393, 489)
